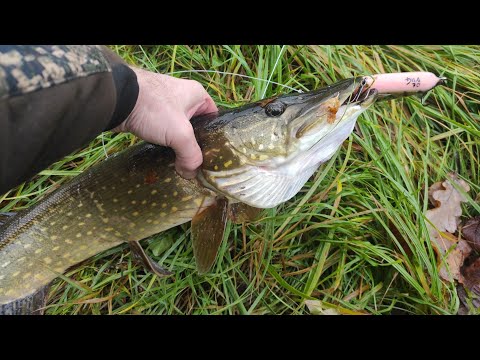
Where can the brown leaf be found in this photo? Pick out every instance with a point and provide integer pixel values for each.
(444, 219)
(469, 291)
(454, 262)
(471, 232)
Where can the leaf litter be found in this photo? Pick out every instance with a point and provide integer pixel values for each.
(458, 258)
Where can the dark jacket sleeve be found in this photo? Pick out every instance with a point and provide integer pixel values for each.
(54, 100)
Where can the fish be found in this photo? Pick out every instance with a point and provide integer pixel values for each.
(256, 156)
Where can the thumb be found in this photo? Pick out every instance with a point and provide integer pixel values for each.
(188, 156)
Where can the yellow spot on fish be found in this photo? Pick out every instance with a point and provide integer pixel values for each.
(100, 207)
(80, 205)
(83, 247)
(23, 258)
(167, 180)
(66, 255)
(123, 208)
(115, 200)
(144, 202)
(5, 264)
(271, 146)
(30, 264)
(109, 229)
(103, 236)
(79, 235)
(64, 227)
(69, 213)
(135, 213)
(104, 187)
(164, 205)
(137, 186)
(153, 204)
(26, 246)
(118, 234)
(129, 191)
(228, 163)
(142, 229)
(53, 223)
(132, 225)
(253, 157)
(113, 187)
(56, 248)
(39, 276)
(105, 220)
(16, 273)
(260, 147)
(134, 202)
(175, 193)
(162, 214)
(174, 209)
(68, 241)
(81, 223)
(198, 201)
(43, 229)
(149, 221)
(2, 277)
(27, 275)
(244, 150)
(263, 157)
(89, 233)
(47, 260)
(186, 198)
(165, 196)
(154, 192)
(38, 251)
(216, 167)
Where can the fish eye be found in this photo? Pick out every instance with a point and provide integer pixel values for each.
(275, 109)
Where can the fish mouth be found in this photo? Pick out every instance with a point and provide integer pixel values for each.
(363, 94)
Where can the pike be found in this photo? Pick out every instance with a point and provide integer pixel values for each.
(256, 156)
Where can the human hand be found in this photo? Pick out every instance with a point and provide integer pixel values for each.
(161, 116)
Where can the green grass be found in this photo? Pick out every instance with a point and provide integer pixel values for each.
(354, 237)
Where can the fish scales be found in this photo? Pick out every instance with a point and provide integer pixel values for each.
(127, 197)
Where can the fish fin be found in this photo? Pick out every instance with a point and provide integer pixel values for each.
(5, 216)
(240, 213)
(147, 262)
(207, 230)
(33, 304)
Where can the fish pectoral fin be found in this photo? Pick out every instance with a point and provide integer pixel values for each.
(207, 230)
(240, 213)
(4, 216)
(147, 262)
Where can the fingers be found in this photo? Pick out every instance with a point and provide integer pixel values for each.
(188, 156)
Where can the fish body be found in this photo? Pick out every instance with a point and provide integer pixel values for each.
(258, 155)
(127, 197)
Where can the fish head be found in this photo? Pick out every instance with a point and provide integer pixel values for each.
(263, 153)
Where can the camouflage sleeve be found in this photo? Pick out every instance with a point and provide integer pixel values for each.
(55, 99)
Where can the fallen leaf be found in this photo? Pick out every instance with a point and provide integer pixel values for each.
(454, 261)
(316, 308)
(469, 291)
(443, 222)
(471, 232)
